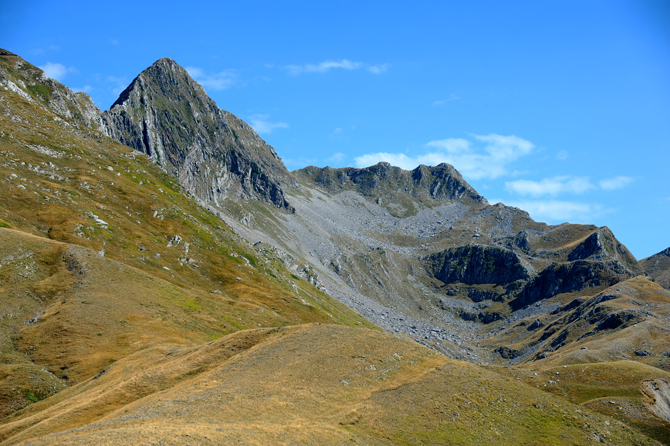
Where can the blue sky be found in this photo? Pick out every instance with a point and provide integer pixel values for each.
(561, 108)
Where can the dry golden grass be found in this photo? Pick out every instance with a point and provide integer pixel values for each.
(313, 384)
(119, 333)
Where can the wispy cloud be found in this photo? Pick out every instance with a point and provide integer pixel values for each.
(41, 51)
(262, 124)
(615, 183)
(550, 186)
(84, 89)
(118, 83)
(453, 97)
(56, 70)
(215, 81)
(378, 69)
(554, 211)
(337, 158)
(298, 163)
(562, 155)
(328, 65)
(487, 157)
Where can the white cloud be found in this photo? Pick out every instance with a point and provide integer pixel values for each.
(119, 84)
(550, 186)
(615, 183)
(261, 124)
(338, 134)
(328, 65)
(298, 163)
(84, 89)
(398, 159)
(473, 161)
(378, 69)
(554, 211)
(562, 155)
(215, 81)
(337, 158)
(56, 70)
(453, 97)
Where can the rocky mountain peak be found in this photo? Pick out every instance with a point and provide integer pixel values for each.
(164, 77)
(167, 115)
(385, 182)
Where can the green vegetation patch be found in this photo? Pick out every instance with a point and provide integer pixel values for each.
(40, 90)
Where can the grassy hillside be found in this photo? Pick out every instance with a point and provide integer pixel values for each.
(103, 255)
(131, 314)
(311, 384)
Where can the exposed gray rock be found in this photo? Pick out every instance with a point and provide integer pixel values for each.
(214, 154)
(658, 267)
(568, 277)
(602, 245)
(32, 84)
(643, 352)
(387, 183)
(477, 264)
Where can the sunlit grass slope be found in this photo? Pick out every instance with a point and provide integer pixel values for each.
(310, 384)
(102, 255)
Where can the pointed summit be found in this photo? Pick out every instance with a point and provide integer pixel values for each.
(167, 115)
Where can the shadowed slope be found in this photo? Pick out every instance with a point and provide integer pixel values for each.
(658, 267)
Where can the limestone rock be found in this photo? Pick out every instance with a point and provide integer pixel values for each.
(32, 84)
(658, 267)
(386, 183)
(602, 245)
(568, 277)
(477, 264)
(214, 154)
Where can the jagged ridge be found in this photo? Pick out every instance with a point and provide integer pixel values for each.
(167, 115)
(386, 182)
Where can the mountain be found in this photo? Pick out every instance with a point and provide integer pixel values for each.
(408, 250)
(658, 267)
(138, 305)
(167, 115)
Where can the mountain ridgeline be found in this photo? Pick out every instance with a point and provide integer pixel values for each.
(165, 278)
(430, 223)
(386, 183)
(167, 115)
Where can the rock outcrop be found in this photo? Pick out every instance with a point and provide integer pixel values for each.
(477, 264)
(568, 277)
(602, 245)
(658, 267)
(167, 115)
(385, 182)
(31, 83)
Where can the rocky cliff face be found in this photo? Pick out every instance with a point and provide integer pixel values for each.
(477, 264)
(602, 245)
(658, 267)
(409, 245)
(569, 277)
(387, 183)
(167, 115)
(33, 85)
